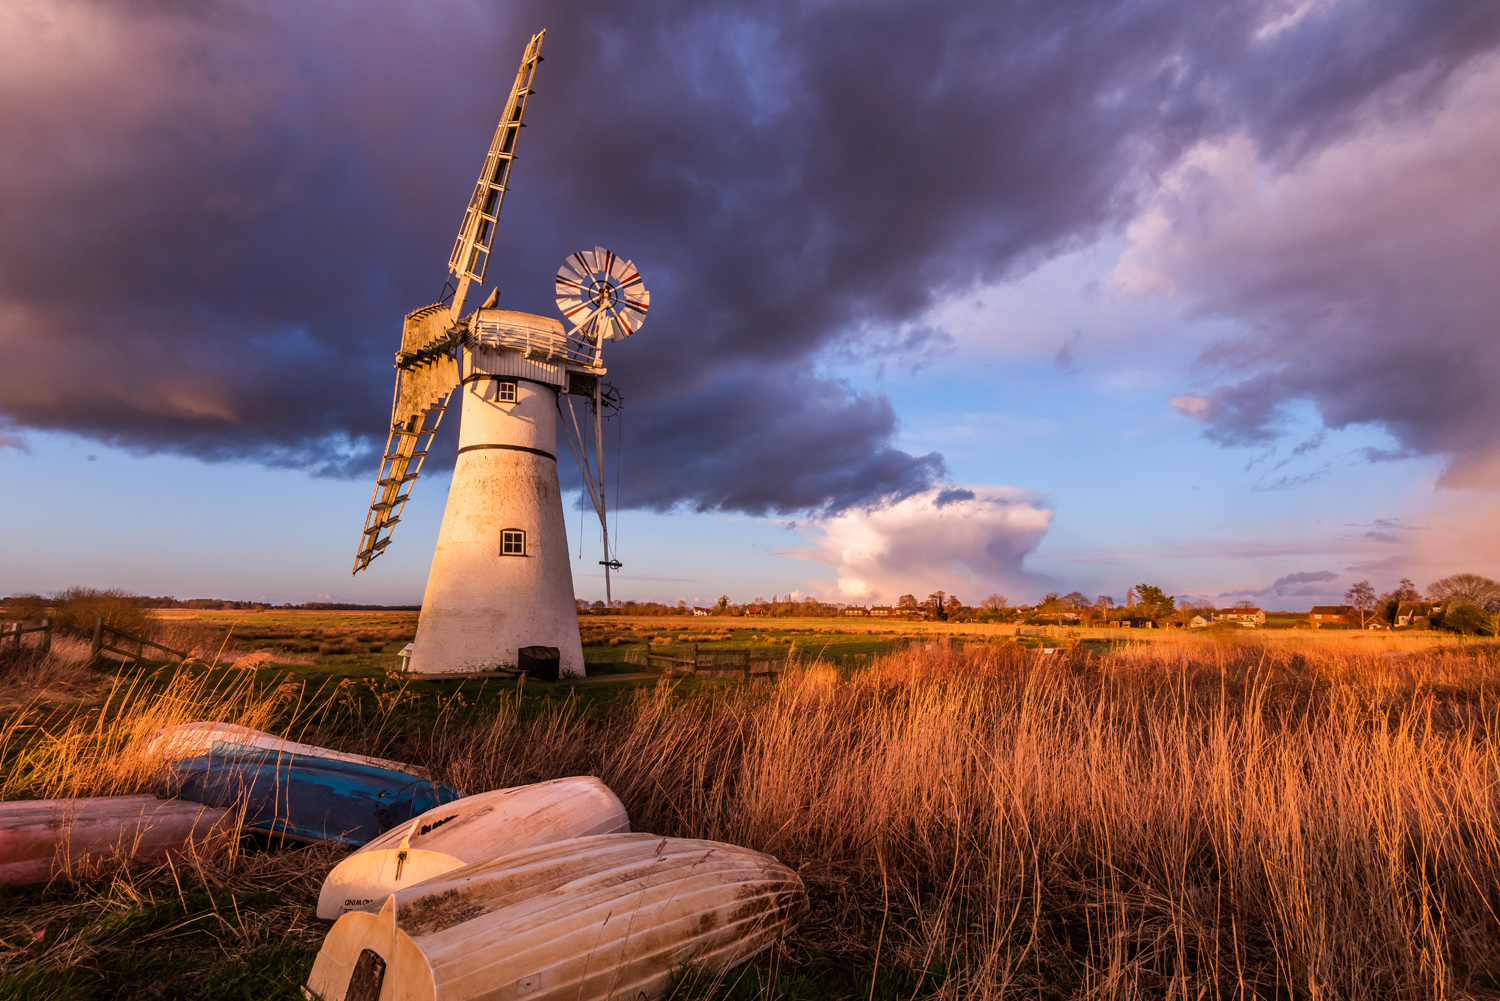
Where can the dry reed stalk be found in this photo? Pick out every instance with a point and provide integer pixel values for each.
(98, 752)
(1178, 821)
(1181, 819)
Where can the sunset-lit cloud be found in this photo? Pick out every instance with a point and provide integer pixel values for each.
(968, 541)
(247, 197)
(1362, 276)
(937, 242)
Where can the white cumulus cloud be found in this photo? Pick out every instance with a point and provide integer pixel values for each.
(969, 541)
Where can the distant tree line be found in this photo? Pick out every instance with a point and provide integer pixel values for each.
(76, 609)
(1464, 603)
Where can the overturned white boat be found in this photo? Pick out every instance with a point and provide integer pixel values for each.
(191, 740)
(469, 830)
(40, 838)
(611, 916)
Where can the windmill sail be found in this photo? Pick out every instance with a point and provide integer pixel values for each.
(471, 251)
(427, 369)
(426, 373)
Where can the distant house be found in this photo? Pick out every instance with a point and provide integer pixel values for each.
(1198, 622)
(1250, 618)
(1330, 615)
(855, 610)
(702, 611)
(756, 611)
(1408, 612)
(1138, 622)
(885, 611)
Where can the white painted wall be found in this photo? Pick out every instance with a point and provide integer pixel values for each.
(480, 607)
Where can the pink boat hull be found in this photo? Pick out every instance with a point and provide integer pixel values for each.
(41, 838)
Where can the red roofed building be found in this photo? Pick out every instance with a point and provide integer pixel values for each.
(1330, 615)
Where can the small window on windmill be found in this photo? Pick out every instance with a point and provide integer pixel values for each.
(512, 542)
(505, 391)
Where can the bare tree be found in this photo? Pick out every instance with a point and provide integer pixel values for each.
(1362, 597)
(994, 603)
(1464, 587)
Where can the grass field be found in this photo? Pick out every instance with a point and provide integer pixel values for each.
(1157, 815)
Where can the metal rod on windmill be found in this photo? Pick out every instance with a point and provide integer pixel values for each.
(499, 594)
(606, 300)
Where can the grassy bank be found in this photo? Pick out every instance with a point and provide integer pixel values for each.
(1229, 817)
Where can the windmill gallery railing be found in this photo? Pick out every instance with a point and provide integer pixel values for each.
(544, 343)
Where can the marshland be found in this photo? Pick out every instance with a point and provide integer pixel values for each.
(1234, 815)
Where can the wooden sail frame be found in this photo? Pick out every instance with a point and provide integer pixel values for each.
(427, 369)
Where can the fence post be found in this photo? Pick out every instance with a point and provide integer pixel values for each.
(98, 637)
(46, 645)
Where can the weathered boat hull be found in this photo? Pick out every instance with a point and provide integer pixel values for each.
(191, 740)
(40, 838)
(309, 798)
(611, 916)
(471, 830)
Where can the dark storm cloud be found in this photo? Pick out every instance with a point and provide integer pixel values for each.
(212, 218)
(1302, 584)
(1363, 278)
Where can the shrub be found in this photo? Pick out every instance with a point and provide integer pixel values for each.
(24, 606)
(78, 608)
(1466, 618)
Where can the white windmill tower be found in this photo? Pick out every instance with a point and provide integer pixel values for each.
(500, 591)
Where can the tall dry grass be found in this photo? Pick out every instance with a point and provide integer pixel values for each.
(1215, 818)
(47, 751)
(1191, 821)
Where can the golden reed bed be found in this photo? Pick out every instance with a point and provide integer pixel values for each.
(1182, 820)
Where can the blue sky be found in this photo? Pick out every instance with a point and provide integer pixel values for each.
(993, 298)
(1138, 493)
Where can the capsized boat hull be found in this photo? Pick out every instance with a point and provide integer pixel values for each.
(309, 798)
(191, 740)
(471, 830)
(610, 916)
(40, 838)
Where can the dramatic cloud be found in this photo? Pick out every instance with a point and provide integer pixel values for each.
(1364, 276)
(212, 216)
(970, 542)
(1304, 583)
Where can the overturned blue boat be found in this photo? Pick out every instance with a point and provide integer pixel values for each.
(306, 797)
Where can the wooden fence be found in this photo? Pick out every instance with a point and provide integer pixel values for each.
(104, 642)
(13, 631)
(695, 663)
